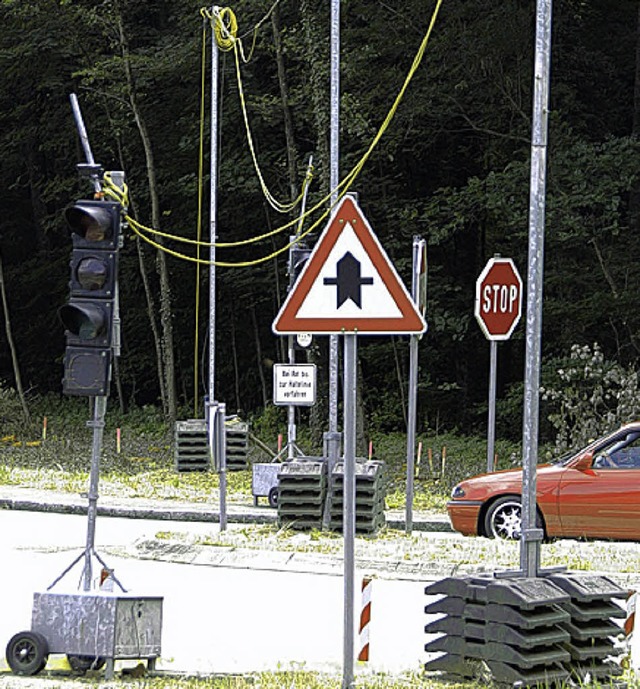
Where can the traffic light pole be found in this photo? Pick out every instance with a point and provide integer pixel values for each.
(92, 320)
(99, 412)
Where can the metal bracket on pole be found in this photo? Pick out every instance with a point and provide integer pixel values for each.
(331, 442)
(217, 433)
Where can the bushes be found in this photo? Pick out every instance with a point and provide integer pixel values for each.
(590, 396)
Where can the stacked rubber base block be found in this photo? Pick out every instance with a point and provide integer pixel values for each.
(192, 445)
(303, 489)
(237, 433)
(526, 631)
(370, 495)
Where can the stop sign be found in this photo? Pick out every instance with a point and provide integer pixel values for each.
(498, 298)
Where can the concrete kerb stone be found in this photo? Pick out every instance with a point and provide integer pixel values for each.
(32, 500)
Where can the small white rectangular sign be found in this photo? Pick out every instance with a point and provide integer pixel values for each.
(294, 384)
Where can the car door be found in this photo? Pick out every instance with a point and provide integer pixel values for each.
(603, 500)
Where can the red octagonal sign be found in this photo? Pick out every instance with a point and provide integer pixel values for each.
(498, 298)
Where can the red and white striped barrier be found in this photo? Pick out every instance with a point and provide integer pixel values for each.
(629, 623)
(633, 639)
(365, 619)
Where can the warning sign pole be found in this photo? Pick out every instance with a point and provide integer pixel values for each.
(349, 502)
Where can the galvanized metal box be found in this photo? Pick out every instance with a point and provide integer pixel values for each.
(264, 478)
(108, 625)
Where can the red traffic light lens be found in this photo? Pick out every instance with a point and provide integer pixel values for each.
(90, 222)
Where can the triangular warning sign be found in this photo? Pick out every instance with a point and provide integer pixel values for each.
(348, 284)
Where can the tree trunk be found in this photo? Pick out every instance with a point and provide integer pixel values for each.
(236, 365)
(292, 152)
(14, 354)
(634, 197)
(263, 381)
(636, 90)
(167, 362)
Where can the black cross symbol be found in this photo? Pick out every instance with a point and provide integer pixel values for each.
(348, 280)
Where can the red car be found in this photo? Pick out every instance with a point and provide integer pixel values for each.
(594, 493)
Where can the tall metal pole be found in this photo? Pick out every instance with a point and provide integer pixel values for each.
(212, 274)
(99, 411)
(84, 139)
(334, 153)
(412, 394)
(531, 536)
(100, 402)
(349, 502)
(491, 420)
(291, 410)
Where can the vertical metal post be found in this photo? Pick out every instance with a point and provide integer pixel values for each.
(334, 145)
(291, 410)
(349, 501)
(491, 421)
(99, 403)
(412, 394)
(212, 265)
(531, 536)
(99, 411)
(84, 139)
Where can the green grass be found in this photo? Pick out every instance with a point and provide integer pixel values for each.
(143, 464)
(285, 679)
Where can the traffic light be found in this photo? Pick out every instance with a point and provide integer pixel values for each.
(298, 256)
(88, 317)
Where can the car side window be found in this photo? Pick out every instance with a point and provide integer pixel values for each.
(622, 453)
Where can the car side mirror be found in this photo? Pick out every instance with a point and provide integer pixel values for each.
(584, 462)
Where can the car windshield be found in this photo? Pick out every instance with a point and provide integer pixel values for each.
(563, 459)
(611, 446)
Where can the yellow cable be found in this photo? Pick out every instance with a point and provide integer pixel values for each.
(225, 28)
(341, 189)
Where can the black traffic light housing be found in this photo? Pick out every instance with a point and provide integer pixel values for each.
(298, 256)
(88, 317)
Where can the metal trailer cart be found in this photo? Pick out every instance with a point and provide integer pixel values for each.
(264, 482)
(94, 629)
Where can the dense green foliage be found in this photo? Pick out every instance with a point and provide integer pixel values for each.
(453, 167)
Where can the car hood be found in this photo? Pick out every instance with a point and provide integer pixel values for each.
(508, 481)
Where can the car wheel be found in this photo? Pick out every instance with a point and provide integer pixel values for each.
(273, 497)
(504, 519)
(27, 653)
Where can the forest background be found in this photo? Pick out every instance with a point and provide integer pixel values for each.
(453, 167)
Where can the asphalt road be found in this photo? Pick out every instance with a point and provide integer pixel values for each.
(216, 617)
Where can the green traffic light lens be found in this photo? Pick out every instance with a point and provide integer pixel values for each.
(85, 321)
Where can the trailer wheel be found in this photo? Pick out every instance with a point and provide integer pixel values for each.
(273, 497)
(27, 653)
(83, 663)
